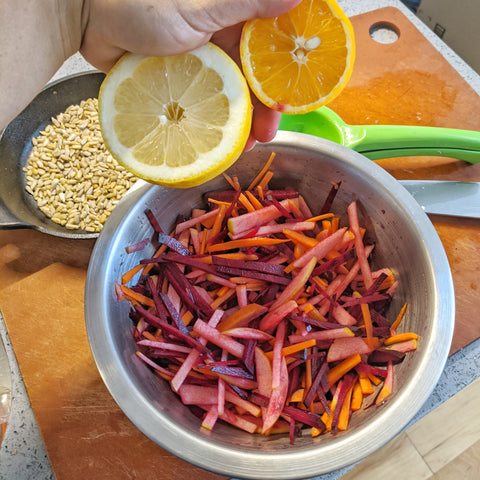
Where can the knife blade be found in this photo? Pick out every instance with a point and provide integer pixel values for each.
(5, 388)
(456, 199)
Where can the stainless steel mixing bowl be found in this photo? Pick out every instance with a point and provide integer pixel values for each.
(405, 240)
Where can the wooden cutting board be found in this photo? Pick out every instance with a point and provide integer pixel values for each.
(86, 434)
(42, 277)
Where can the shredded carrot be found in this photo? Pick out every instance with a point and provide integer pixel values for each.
(248, 282)
(365, 383)
(217, 225)
(319, 217)
(345, 411)
(400, 337)
(374, 379)
(399, 318)
(327, 225)
(313, 312)
(367, 320)
(297, 347)
(219, 300)
(297, 395)
(357, 396)
(237, 183)
(308, 374)
(339, 370)
(298, 250)
(138, 297)
(262, 172)
(299, 238)
(246, 203)
(127, 276)
(204, 241)
(244, 243)
(149, 336)
(187, 317)
(216, 202)
(259, 189)
(264, 182)
(253, 200)
(230, 180)
(234, 256)
(222, 291)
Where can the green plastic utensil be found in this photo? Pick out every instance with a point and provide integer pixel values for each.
(387, 141)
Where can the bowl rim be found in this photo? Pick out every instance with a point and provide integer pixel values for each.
(295, 464)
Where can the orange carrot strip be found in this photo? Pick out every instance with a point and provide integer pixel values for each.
(344, 416)
(298, 250)
(374, 379)
(234, 256)
(127, 276)
(236, 183)
(253, 200)
(149, 336)
(246, 203)
(217, 202)
(400, 337)
(367, 320)
(264, 182)
(399, 318)
(297, 347)
(187, 317)
(229, 179)
(339, 370)
(327, 225)
(138, 297)
(217, 225)
(297, 395)
(262, 172)
(299, 238)
(222, 291)
(259, 189)
(219, 300)
(204, 241)
(244, 243)
(319, 217)
(313, 312)
(357, 397)
(365, 383)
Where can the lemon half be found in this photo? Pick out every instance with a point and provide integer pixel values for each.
(176, 121)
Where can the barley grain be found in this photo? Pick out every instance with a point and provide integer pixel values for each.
(71, 175)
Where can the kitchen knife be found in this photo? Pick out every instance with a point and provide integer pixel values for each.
(457, 199)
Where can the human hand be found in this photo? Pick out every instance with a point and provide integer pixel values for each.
(167, 27)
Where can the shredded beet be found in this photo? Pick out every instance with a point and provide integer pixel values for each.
(262, 315)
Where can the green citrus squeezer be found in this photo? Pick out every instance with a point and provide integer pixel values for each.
(387, 141)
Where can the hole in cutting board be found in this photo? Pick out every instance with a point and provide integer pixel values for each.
(384, 32)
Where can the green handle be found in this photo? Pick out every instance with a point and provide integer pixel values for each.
(401, 140)
(386, 141)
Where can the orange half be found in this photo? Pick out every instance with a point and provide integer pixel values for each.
(301, 60)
